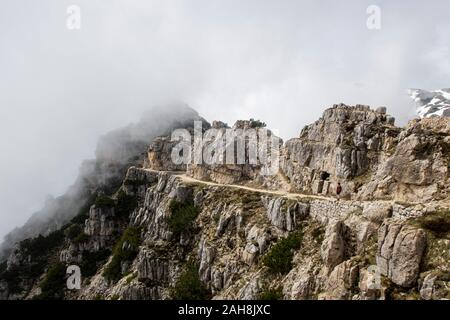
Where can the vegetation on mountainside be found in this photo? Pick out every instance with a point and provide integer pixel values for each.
(103, 201)
(182, 216)
(189, 286)
(52, 287)
(437, 226)
(125, 205)
(92, 260)
(73, 231)
(279, 258)
(37, 251)
(126, 249)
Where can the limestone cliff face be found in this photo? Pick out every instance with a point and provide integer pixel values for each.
(417, 170)
(166, 234)
(344, 145)
(241, 139)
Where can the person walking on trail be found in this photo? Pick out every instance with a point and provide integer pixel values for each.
(338, 189)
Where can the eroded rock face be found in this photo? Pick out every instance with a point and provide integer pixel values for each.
(137, 181)
(342, 280)
(301, 282)
(243, 142)
(285, 214)
(154, 212)
(206, 254)
(333, 246)
(400, 251)
(373, 159)
(229, 218)
(159, 155)
(100, 226)
(153, 268)
(377, 211)
(16, 257)
(339, 145)
(251, 290)
(370, 286)
(418, 168)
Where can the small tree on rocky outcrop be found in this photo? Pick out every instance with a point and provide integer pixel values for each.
(182, 216)
(189, 286)
(279, 258)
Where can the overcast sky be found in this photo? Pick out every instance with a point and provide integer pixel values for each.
(280, 61)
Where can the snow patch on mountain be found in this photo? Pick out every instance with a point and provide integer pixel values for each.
(431, 103)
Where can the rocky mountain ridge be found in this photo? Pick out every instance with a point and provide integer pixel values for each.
(227, 232)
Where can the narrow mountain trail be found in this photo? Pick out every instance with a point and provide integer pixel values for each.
(286, 194)
(290, 195)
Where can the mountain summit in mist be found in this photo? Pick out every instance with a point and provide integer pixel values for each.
(116, 152)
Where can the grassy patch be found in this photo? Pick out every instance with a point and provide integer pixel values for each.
(189, 285)
(126, 249)
(279, 258)
(182, 216)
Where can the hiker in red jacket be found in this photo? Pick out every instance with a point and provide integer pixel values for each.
(338, 189)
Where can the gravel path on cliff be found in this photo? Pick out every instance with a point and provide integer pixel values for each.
(290, 195)
(187, 179)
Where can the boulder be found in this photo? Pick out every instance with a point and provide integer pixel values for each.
(400, 251)
(377, 211)
(427, 288)
(285, 214)
(341, 282)
(333, 246)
